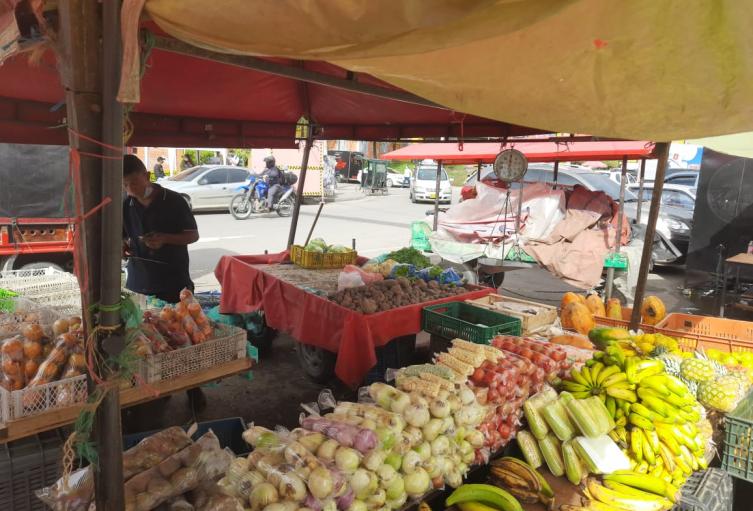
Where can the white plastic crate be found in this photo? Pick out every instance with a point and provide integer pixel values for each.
(42, 398)
(45, 286)
(229, 346)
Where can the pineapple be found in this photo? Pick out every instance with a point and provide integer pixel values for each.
(719, 368)
(697, 370)
(672, 363)
(691, 385)
(721, 394)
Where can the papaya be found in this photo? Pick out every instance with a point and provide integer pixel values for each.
(577, 341)
(614, 308)
(595, 305)
(652, 310)
(604, 336)
(571, 297)
(579, 317)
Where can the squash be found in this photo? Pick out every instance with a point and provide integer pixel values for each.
(652, 310)
(614, 308)
(578, 317)
(595, 305)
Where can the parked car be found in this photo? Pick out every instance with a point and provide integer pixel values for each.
(424, 180)
(488, 177)
(616, 175)
(683, 177)
(680, 196)
(396, 179)
(207, 187)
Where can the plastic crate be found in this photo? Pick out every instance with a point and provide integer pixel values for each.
(229, 345)
(465, 321)
(707, 490)
(533, 316)
(42, 398)
(737, 457)
(321, 260)
(27, 465)
(395, 354)
(229, 431)
(706, 332)
(45, 286)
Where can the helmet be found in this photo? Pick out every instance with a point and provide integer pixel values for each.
(269, 161)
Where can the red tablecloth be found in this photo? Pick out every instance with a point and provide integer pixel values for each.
(314, 320)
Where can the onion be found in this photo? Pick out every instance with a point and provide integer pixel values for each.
(289, 505)
(347, 459)
(292, 487)
(374, 460)
(411, 461)
(434, 466)
(368, 424)
(262, 495)
(423, 450)
(440, 409)
(454, 479)
(386, 438)
(454, 403)
(326, 451)
(305, 509)
(440, 445)
(417, 415)
(386, 474)
(357, 505)
(248, 481)
(432, 429)
(312, 503)
(464, 447)
(360, 480)
(320, 483)
(277, 506)
(394, 460)
(418, 399)
(448, 424)
(475, 438)
(383, 395)
(414, 435)
(238, 467)
(403, 443)
(466, 395)
(400, 402)
(346, 500)
(396, 488)
(437, 482)
(417, 483)
(376, 499)
(397, 503)
(312, 441)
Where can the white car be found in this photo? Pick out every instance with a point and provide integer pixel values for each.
(672, 195)
(423, 185)
(207, 186)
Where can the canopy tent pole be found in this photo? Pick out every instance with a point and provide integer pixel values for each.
(478, 171)
(640, 191)
(302, 182)
(662, 155)
(436, 194)
(618, 237)
(556, 172)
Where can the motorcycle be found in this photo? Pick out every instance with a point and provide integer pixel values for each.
(252, 198)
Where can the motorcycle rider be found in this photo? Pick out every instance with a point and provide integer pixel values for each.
(274, 178)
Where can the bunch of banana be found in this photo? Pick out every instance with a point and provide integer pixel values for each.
(625, 497)
(521, 480)
(608, 382)
(482, 497)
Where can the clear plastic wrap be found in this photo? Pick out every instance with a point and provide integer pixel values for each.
(12, 357)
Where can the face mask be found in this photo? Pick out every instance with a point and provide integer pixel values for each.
(148, 191)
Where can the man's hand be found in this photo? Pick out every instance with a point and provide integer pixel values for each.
(154, 240)
(126, 248)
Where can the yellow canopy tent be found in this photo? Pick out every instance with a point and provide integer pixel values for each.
(643, 69)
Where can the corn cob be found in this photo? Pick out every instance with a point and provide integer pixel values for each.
(419, 369)
(550, 450)
(469, 357)
(530, 448)
(492, 354)
(443, 383)
(468, 346)
(456, 365)
(413, 384)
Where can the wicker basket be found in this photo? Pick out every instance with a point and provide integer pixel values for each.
(42, 398)
(229, 345)
(706, 332)
(321, 260)
(532, 315)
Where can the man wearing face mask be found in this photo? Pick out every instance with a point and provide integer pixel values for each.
(274, 176)
(158, 226)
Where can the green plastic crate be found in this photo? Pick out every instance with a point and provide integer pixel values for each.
(6, 300)
(737, 458)
(462, 320)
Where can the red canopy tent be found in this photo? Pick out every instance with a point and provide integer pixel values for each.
(544, 151)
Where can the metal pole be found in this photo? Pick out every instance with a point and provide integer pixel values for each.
(618, 236)
(316, 219)
(478, 172)
(556, 172)
(302, 181)
(109, 473)
(640, 191)
(662, 154)
(436, 194)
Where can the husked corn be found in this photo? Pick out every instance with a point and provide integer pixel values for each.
(492, 354)
(413, 384)
(456, 365)
(442, 382)
(469, 357)
(467, 345)
(419, 369)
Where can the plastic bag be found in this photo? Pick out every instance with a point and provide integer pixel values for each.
(346, 280)
(12, 358)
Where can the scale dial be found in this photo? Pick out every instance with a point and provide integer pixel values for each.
(510, 165)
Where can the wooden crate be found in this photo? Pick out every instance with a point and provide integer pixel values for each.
(532, 315)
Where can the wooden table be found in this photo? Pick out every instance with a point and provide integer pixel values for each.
(737, 261)
(27, 426)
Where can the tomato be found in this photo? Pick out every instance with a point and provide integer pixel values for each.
(505, 431)
(478, 375)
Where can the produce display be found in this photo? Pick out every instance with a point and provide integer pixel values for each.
(321, 246)
(410, 255)
(389, 294)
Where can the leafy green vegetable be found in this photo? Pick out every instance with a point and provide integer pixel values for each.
(410, 256)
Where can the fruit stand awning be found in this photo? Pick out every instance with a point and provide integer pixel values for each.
(628, 70)
(451, 153)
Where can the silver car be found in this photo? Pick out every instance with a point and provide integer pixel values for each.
(207, 186)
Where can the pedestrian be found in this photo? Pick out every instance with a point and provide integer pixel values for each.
(186, 162)
(406, 176)
(216, 159)
(233, 159)
(158, 226)
(159, 169)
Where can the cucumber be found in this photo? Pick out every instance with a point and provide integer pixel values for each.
(556, 418)
(530, 448)
(550, 450)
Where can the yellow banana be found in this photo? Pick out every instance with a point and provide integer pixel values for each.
(622, 393)
(622, 501)
(577, 377)
(648, 452)
(643, 411)
(607, 373)
(642, 482)
(636, 444)
(485, 494)
(667, 457)
(595, 370)
(572, 386)
(585, 372)
(617, 377)
(472, 506)
(640, 421)
(642, 467)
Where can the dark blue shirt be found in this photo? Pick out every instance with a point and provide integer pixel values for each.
(164, 270)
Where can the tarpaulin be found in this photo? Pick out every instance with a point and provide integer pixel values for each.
(314, 320)
(636, 70)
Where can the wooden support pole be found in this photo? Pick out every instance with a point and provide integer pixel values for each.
(640, 191)
(301, 182)
(662, 155)
(436, 192)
